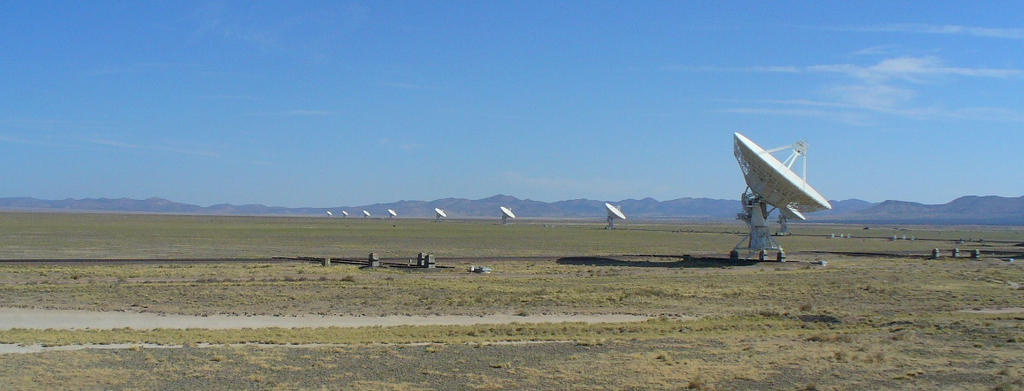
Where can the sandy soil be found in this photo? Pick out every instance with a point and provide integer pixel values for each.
(71, 319)
(7, 348)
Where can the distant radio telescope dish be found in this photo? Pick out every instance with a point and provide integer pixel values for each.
(329, 213)
(784, 216)
(771, 182)
(614, 213)
(439, 214)
(366, 214)
(506, 214)
(344, 213)
(392, 214)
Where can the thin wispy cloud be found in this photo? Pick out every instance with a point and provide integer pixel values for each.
(228, 97)
(989, 114)
(887, 87)
(798, 102)
(943, 29)
(913, 69)
(294, 113)
(143, 67)
(74, 142)
(299, 30)
(306, 112)
(112, 143)
(406, 86)
(51, 124)
(836, 115)
(216, 20)
(858, 114)
(712, 68)
(909, 68)
(388, 143)
(27, 141)
(876, 50)
(871, 96)
(160, 148)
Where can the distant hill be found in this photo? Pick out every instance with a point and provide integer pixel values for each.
(688, 208)
(149, 205)
(648, 208)
(965, 210)
(843, 207)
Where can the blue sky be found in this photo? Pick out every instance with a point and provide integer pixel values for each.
(342, 103)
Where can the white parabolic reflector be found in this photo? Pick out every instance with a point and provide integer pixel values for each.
(440, 212)
(776, 183)
(344, 212)
(392, 212)
(507, 212)
(614, 212)
(329, 213)
(365, 213)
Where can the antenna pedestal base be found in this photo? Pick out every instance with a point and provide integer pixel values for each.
(760, 240)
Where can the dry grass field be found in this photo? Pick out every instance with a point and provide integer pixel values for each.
(878, 316)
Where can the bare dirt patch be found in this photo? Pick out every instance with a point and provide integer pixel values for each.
(11, 318)
(1008, 310)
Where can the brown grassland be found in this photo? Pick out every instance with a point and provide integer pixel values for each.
(878, 316)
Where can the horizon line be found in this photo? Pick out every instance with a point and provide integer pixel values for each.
(453, 198)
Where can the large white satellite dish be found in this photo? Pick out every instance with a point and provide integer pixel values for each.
(506, 214)
(614, 213)
(392, 214)
(329, 213)
(344, 213)
(365, 214)
(773, 182)
(439, 214)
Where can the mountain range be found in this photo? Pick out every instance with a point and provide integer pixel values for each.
(992, 210)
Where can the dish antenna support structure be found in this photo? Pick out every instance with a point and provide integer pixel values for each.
(772, 184)
(783, 225)
(392, 214)
(439, 214)
(506, 215)
(614, 213)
